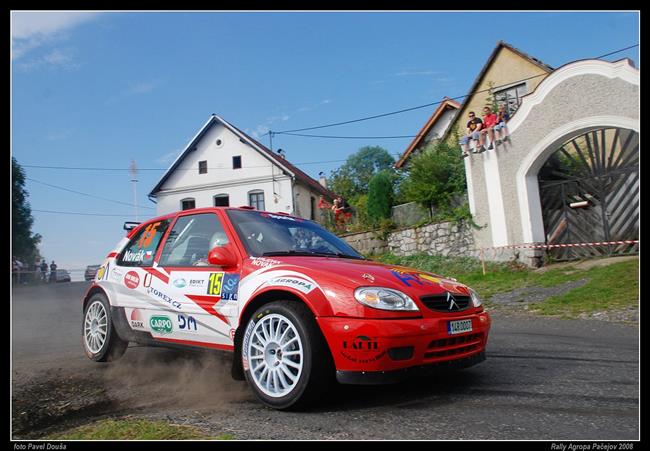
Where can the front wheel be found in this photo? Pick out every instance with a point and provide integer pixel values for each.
(284, 355)
(100, 340)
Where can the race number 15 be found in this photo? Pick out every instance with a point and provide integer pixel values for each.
(214, 287)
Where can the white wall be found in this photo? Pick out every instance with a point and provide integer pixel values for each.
(257, 172)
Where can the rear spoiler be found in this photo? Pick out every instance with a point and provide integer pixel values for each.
(129, 225)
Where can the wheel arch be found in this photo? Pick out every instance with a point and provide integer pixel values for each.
(259, 300)
(94, 289)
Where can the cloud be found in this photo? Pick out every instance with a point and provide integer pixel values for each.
(135, 89)
(58, 136)
(410, 73)
(168, 158)
(265, 126)
(31, 30)
(313, 107)
(61, 58)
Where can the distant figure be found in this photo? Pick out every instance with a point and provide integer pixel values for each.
(52, 272)
(16, 268)
(501, 129)
(489, 121)
(473, 132)
(341, 213)
(44, 271)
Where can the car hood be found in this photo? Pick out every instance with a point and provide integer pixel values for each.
(336, 273)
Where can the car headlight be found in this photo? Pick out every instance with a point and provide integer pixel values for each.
(476, 300)
(384, 299)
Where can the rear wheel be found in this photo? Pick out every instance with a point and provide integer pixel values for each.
(285, 358)
(100, 340)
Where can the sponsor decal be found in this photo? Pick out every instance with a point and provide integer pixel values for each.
(229, 287)
(263, 262)
(298, 284)
(161, 324)
(132, 280)
(133, 256)
(148, 235)
(179, 283)
(136, 319)
(148, 255)
(408, 277)
(100, 272)
(232, 334)
(214, 283)
(186, 323)
(247, 338)
(147, 280)
(362, 349)
(116, 274)
(196, 283)
(159, 294)
(368, 277)
(272, 216)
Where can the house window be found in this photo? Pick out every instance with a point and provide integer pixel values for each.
(256, 200)
(188, 204)
(221, 200)
(511, 97)
(236, 162)
(203, 167)
(312, 207)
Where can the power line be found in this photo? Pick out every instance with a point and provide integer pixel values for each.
(81, 214)
(376, 116)
(84, 194)
(352, 137)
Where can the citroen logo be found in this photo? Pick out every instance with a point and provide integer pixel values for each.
(452, 301)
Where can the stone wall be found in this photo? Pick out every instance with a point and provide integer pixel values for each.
(366, 243)
(445, 238)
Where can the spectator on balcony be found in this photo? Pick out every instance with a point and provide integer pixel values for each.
(489, 121)
(473, 132)
(501, 129)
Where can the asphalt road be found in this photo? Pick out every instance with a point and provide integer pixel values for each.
(544, 379)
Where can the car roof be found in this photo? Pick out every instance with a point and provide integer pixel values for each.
(206, 210)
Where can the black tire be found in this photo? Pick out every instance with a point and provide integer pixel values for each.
(112, 347)
(317, 372)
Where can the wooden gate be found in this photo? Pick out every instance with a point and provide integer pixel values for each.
(589, 191)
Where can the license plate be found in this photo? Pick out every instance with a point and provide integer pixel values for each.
(458, 327)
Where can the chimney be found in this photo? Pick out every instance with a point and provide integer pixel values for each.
(322, 180)
(281, 153)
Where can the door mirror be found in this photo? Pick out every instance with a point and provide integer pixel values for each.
(222, 256)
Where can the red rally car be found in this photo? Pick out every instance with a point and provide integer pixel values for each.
(295, 303)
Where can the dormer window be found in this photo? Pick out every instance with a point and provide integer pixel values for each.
(203, 167)
(236, 162)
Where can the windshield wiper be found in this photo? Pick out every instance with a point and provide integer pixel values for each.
(310, 254)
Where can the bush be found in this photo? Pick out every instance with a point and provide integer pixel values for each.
(380, 197)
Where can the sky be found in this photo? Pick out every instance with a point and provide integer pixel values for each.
(100, 89)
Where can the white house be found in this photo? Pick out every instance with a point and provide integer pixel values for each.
(222, 166)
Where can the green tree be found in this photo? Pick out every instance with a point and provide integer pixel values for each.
(435, 176)
(24, 243)
(352, 178)
(380, 196)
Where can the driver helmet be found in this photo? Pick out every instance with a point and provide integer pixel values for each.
(218, 239)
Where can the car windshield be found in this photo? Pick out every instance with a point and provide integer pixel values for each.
(269, 234)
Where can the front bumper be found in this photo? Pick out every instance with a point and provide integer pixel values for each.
(387, 346)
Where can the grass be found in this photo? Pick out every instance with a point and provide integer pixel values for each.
(611, 287)
(135, 429)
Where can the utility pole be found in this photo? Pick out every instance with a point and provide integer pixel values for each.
(134, 174)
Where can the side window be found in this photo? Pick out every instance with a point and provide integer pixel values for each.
(191, 239)
(142, 248)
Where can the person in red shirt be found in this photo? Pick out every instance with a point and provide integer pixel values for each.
(489, 121)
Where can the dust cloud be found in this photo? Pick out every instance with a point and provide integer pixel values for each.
(158, 377)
